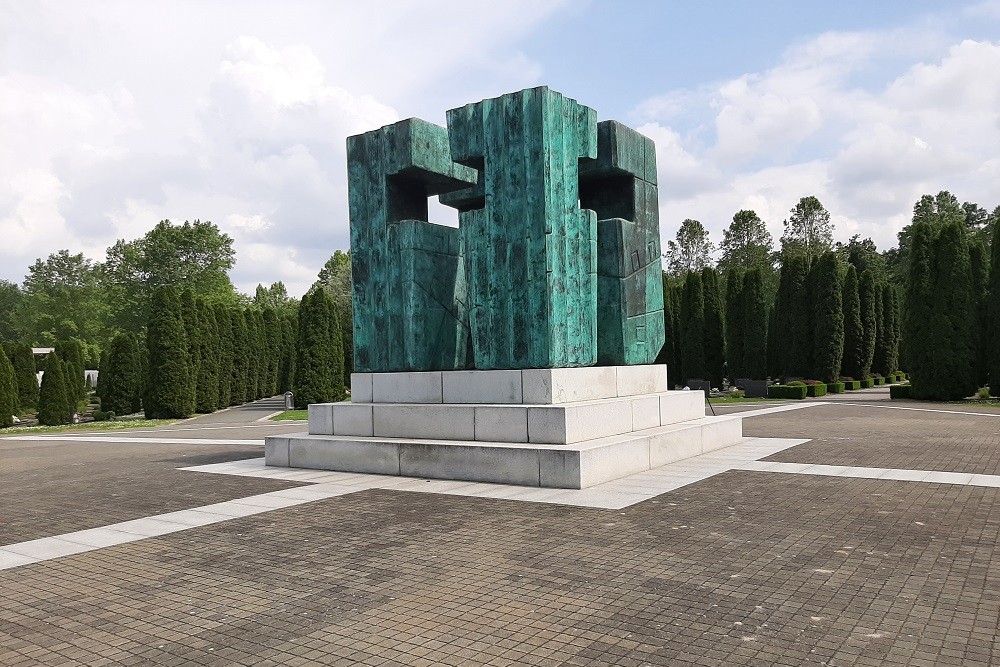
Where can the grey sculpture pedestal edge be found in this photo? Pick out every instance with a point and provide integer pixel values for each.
(681, 431)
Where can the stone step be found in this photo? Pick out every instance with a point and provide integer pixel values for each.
(574, 466)
(551, 424)
(536, 386)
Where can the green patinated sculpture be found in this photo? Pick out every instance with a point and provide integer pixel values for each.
(620, 185)
(529, 249)
(555, 262)
(407, 274)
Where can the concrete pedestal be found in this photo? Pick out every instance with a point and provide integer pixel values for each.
(561, 428)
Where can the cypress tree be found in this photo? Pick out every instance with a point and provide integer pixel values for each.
(286, 376)
(52, 400)
(948, 373)
(336, 347)
(71, 353)
(262, 354)
(715, 335)
(676, 296)
(734, 324)
(101, 366)
(868, 294)
(313, 367)
(207, 392)
(253, 355)
(887, 349)
(853, 328)
(780, 349)
(168, 394)
(919, 306)
(669, 355)
(224, 324)
(241, 358)
(799, 316)
(9, 400)
(122, 377)
(189, 315)
(25, 376)
(692, 329)
(992, 332)
(272, 330)
(754, 322)
(774, 338)
(828, 318)
(979, 264)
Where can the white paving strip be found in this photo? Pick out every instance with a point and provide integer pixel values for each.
(139, 441)
(896, 474)
(903, 407)
(47, 548)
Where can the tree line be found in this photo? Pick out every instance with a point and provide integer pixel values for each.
(196, 346)
(825, 311)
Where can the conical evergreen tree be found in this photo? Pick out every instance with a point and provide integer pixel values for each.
(9, 400)
(919, 305)
(52, 400)
(189, 314)
(853, 328)
(993, 314)
(286, 377)
(253, 351)
(262, 354)
(99, 389)
(948, 373)
(314, 367)
(122, 377)
(734, 324)
(272, 331)
(799, 316)
(336, 346)
(224, 324)
(754, 325)
(715, 334)
(828, 318)
(168, 395)
(868, 294)
(676, 296)
(25, 375)
(693, 329)
(979, 262)
(774, 336)
(887, 345)
(240, 391)
(71, 353)
(207, 392)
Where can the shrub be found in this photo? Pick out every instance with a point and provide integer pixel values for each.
(877, 381)
(867, 383)
(795, 383)
(101, 416)
(52, 401)
(787, 391)
(9, 401)
(816, 390)
(899, 391)
(984, 392)
(835, 387)
(852, 385)
(169, 394)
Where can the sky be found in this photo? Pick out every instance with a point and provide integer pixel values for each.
(117, 114)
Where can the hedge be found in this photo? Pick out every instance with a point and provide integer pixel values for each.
(899, 391)
(879, 381)
(787, 391)
(867, 383)
(835, 387)
(852, 385)
(816, 390)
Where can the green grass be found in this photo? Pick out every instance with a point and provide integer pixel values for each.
(725, 400)
(291, 415)
(116, 425)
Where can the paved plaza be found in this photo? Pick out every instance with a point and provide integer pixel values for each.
(846, 531)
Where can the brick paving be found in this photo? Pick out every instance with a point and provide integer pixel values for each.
(49, 488)
(887, 438)
(745, 568)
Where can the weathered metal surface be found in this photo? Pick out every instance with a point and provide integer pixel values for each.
(530, 250)
(620, 185)
(408, 279)
(556, 262)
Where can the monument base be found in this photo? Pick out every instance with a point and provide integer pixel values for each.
(560, 428)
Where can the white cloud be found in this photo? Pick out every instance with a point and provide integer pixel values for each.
(854, 119)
